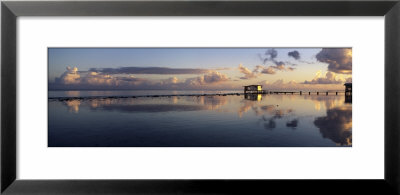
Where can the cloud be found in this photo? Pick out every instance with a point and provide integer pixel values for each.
(280, 84)
(270, 56)
(258, 68)
(247, 73)
(339, 60)
(94, 78)
(74, 79)
(71, 76)
(330, 78)
(268, 70)
(295, 54)
(210, 78)
(280, 66)
(171, 80)
(149, 70)
(292, 85)
(215, 77)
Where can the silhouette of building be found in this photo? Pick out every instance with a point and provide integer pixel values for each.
(253, 89)
(348, 93)
(348, 88)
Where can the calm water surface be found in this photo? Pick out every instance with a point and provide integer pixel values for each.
(204, 121)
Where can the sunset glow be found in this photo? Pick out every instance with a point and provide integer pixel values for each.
(200, 97)
(198, 68)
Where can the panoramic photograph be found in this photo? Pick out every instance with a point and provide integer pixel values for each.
(200, 97)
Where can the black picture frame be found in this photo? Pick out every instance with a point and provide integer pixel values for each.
(11, 10)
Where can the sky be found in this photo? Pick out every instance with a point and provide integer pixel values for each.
(198, 68)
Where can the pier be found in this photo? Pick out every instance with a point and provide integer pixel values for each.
(298, 92)
(308, 92)
(257, 89)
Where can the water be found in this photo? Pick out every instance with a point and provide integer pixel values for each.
(200, 121)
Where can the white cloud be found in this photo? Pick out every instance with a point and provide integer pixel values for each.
(330, 78)
(73, 79)
(210, 78)
(71, 76)
(247, 73)
(268, 70)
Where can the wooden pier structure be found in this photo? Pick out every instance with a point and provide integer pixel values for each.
(309, 92)
(257, 89)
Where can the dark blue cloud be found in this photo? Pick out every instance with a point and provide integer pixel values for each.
(295, 54)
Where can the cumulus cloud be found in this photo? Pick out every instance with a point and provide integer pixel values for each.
(171, 80)
(88, 79)
(149, 70)
(281, 84)
(293, 85)
(282, 67)
(248, 74)
(210, 78)
(295, 54)
(268, 70)
(330, 78)
(290, 68)
(215, 77)
(74, 79)
(279, 67)
(339, 60)
(258, 68)
(71, 76)
(93, 78)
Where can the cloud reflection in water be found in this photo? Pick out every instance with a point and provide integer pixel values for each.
(331, 119)
(148, 104)
(337, 125)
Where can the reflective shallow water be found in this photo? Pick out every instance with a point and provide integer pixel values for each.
(202, 121)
